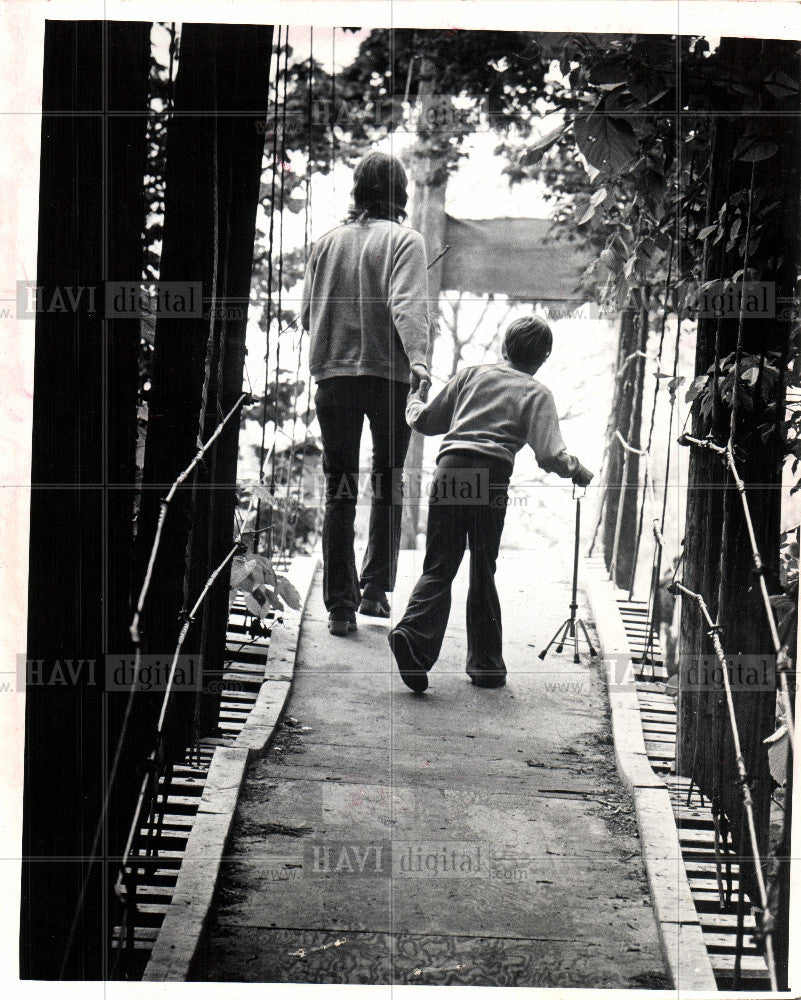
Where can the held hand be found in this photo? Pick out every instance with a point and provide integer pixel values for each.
(582, 476)
(422, 392)
(417, 374)
(420, 381)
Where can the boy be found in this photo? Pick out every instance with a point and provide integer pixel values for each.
(487, 413)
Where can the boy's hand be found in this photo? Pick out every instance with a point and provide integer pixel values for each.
(582, 476)
(422, 389)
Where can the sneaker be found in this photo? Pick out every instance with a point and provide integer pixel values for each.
(341, 626)
(411, 673)
(374, 603)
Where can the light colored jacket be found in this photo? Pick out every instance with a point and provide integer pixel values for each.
(365, 301)
(495, 410)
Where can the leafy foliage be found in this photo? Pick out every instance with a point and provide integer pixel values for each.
(253, 574)
(262, 589)
(496, 74)
(633, 177)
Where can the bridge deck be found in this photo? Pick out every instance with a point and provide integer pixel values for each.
(466, 836)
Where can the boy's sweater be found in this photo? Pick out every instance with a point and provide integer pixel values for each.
(365, 301)
(495, 410)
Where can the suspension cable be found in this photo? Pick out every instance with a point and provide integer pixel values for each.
(134, 627)
(269, 316)
(306, 252)
(196, 607)
(306, 222)
(280, 288)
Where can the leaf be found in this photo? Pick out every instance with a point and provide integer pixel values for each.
(654, 188)
(260, 569)
(706, 232)
(750, 376)
(610, 260)
(253, 606)
(647, 87)
(781, 84)
(615, 255)
(273, 599)
(761, 149)
(673, 385)
(288, 592)
(606, 143)
(744, 399)
(541, 145)
(695, 388)
(238, 571)
(611, 70)
(598, 197)
(663, 240)
(647, 250)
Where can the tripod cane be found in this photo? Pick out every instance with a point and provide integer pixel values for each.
(568, 629)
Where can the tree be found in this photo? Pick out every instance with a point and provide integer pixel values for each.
(452, 320)
(91, 216)
(212, 185)
(622, 474)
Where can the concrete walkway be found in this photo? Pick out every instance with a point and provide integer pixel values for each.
(464, 836)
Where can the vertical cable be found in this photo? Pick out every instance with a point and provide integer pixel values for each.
(269, 316)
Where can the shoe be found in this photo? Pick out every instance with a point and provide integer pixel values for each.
(374, 603)
(411, 674)
(488, 682)
(341, 626)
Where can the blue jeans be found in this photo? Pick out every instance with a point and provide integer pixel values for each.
(342, 403)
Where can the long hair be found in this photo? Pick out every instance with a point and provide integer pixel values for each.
(379, 188)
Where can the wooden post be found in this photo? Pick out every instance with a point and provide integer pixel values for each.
(622, 478)
(429, 181)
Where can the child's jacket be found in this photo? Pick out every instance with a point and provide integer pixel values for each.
(495, 410)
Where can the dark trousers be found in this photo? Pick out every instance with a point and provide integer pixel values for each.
(452, 526)
(342, 403)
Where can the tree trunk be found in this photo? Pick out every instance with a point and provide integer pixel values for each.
(222, 67)
(91, 216)
(718, 562)
(429, 179)
(243, 83)
(623, 473)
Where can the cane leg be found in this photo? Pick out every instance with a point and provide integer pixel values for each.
(562, 628)
(587, 637)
